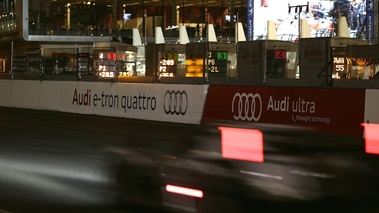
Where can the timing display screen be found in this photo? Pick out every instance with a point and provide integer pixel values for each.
(217, 62)
(107, 65)
(108, 56)
(107, 74)
(168, 64)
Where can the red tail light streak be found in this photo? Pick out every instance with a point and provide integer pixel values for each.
(184, 191)
(242, 144)
(371, 135)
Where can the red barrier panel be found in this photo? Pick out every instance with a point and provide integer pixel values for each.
(335, 111)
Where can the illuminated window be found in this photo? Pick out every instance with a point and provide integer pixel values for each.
(242, 144)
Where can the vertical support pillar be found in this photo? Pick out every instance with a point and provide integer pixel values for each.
(68, 16)
(12, 76)
(114, 17)
(232, 23)
(174, 14)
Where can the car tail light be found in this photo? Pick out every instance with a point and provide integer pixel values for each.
(184, 191)
(371, 135)
(242, 144)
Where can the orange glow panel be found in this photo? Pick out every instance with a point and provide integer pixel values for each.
(184, 191)
(242, 144)
(371, 138)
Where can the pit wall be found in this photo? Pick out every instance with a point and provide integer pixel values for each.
(336, 111)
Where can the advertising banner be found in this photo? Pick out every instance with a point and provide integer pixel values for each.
(250, 19)
(322, 17)
(158, 102)
(333, 111)
(370, 23)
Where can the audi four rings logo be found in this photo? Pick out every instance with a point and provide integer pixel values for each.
(175, 102)
(247, 106)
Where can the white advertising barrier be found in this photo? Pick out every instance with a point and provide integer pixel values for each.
(160, 102)
(371, 106)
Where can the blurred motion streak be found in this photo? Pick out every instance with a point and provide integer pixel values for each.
(262, 175)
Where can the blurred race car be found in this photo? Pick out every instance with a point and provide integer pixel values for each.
(242, 168)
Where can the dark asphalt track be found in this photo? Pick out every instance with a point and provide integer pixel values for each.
(63, 162)
(58, 162)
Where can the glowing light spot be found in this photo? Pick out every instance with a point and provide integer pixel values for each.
(371, 134)
(184, 191)
(242, 144)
